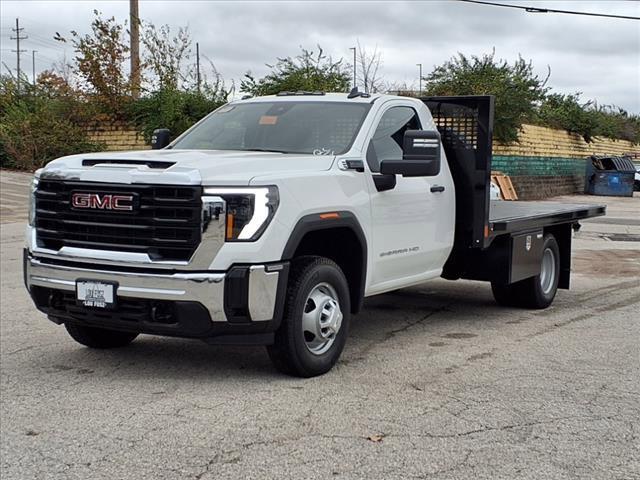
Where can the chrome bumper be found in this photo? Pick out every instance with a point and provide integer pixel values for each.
(205, 288)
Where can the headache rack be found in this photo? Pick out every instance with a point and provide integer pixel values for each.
(466, 127)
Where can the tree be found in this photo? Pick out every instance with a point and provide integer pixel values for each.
(516, 88)
(368, 71)
(308, 71)
(101, 58)
(164, 54)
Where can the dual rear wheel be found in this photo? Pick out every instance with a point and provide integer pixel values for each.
(535, 292)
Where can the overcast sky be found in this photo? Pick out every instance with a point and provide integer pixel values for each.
(597, 56)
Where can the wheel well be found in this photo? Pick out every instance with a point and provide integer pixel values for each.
(340, 244)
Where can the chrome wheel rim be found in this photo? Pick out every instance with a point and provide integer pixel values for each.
(548, 271)
(321, 318)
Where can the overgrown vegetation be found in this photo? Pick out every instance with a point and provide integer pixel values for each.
(588, 119)
(47, 120)
(100, 61)
(516, 88)
(308, 71)
(174, 109)
(523, 97)
(40, 124)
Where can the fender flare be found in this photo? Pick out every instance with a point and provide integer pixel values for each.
(327, 221)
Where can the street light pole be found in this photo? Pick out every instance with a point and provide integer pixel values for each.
(354, 66)
(33, 65)
(419, 79)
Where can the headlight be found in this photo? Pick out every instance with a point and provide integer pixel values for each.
(248, 210)
(32, 201)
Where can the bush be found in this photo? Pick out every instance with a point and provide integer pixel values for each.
(307, 72)
(173, 109)
(566, 112)
(35, 129)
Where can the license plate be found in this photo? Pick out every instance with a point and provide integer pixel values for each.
(96, 294)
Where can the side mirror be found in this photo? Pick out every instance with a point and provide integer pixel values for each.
(160, 138)
(421, 156)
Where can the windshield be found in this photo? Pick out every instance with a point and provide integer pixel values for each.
(317, 128)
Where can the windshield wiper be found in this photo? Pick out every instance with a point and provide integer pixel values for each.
(264, 150)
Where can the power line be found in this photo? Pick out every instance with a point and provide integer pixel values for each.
(549, 10)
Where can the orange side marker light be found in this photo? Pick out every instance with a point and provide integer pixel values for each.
(230, 226)
(329, 216)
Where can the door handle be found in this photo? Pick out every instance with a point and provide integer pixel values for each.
(437, 188)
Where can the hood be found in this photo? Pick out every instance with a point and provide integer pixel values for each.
(186, 167)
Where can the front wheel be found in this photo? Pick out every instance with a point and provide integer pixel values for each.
(316, 319)
(535, 292)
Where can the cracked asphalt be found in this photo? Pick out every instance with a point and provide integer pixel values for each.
(436, 382)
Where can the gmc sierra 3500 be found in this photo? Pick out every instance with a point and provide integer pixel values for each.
(271, 219)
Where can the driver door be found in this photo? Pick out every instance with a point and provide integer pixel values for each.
(405, 217)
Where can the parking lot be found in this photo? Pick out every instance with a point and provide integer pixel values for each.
(436, 381)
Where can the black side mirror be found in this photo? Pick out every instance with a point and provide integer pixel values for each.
(421, 156)
(160, 138)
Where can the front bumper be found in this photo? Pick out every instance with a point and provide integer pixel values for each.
(243, 300)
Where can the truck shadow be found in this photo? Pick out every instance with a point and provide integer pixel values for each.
(457, 304)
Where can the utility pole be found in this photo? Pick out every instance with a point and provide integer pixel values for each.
(354, 65)
(134, 38)
(198, 65)
(420, 79)
(17, 38)
(33, 65)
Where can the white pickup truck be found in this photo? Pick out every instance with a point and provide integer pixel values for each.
(269, 221)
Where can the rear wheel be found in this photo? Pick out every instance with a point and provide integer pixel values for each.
(535, 292)
(99, 337)
(316, 319)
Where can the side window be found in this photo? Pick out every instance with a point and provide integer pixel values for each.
(386, 143)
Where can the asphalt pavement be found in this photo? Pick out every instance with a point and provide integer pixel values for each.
(436, 382)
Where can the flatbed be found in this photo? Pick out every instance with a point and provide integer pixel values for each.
(508, 216)
(502, 242)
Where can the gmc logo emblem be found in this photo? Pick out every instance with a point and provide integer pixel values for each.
(108, 201)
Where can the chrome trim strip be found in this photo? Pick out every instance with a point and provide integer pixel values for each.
(263, 289)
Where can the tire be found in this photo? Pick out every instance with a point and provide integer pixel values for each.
(315, 323)
(536, 292)
(99, 337)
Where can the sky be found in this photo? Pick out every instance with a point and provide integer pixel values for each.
(599, 57)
